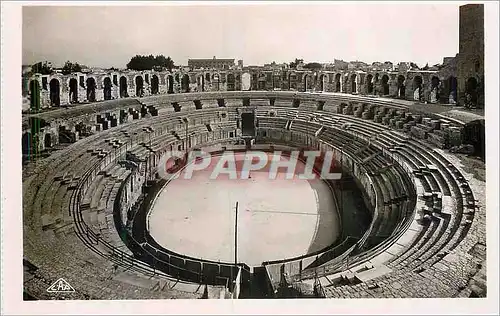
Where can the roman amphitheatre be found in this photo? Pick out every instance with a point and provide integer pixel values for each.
(404, 218)
(407, 218)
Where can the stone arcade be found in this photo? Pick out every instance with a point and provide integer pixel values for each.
(419, 85)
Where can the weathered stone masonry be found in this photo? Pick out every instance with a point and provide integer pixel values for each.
(57, 90)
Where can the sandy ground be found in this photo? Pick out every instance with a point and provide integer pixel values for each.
(277, 218)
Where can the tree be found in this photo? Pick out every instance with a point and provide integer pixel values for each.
(313, 66)
(295, 63)
(438, 67)
(139, 62)
(414, 66)
(167, 63)
(41, 68)
(70, 67)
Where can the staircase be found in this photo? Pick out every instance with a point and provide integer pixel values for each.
(259, 286)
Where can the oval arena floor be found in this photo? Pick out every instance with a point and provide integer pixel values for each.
(277, 218)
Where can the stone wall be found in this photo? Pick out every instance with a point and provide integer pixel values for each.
(199, 81)
(131, 191)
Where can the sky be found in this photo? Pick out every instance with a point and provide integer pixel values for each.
(108, 36)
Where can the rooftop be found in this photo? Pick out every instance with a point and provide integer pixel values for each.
(211, 59)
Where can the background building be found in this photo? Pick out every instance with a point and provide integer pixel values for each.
(340, 64)
(213, 63)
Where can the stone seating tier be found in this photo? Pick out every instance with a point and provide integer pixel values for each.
(437, 181)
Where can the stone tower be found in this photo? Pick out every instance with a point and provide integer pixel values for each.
(470, 64)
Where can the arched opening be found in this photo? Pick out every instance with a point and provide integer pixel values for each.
(261, 81)
(155, 84)
(292, 79)
(474, 134)
(139, 86)
(401, 87)
(369, 84)
(123, 87)
(417, 88)
(322, 82)
(200, 81)
(107, 88)
(47, 141)
(207, 77)
(55, 98)
(170, 83)
(452, 88)
(434, 82)
(246, 81)
(237, 83)
(91, 89)
(434, 96)
(185, 83)
(215, 80)
(354, 84)
(73, 90)
(385, 85)
(471, 92)
(230, 82)
(338, 83)
(306, 82)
